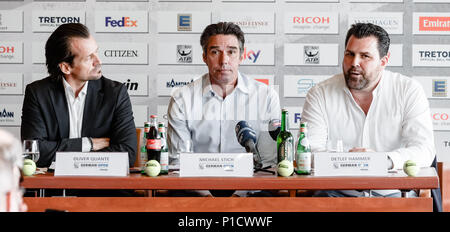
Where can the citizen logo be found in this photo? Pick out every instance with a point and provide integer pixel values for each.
(58, 20)
(121, 53)
(311, 54)
(123, 22)
(184, 53)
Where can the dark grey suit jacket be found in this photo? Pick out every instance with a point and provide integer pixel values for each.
(107, 113)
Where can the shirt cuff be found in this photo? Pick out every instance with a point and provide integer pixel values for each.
(86, 144)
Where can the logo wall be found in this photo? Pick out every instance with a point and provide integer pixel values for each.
(442, 145)
(38, 52)
(123, 53)
(251, 22)
(396, 58)
(299, 85)
(311, 23)
(11, 52)
(431, 23)
(295, 115)
(182, 22)
(431, 55)
(434, 87)
(121, 21)
(11, 83)
(137, 84)
(11, 21)
(10, 115)
(392, 22)
(48, 21)
(311, 54)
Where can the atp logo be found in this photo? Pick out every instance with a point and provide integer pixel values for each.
(251, 55)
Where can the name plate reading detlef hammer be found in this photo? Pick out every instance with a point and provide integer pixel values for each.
(216, 164)
(350, 164)
(91, 164)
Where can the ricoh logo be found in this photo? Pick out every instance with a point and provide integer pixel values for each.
(123, 22)
(251, 55)
(174, 84)
(57, 20)
(311, 20)
(121, 53)
(6, 50)
(427, 23)
(5, 114)
(440, 116)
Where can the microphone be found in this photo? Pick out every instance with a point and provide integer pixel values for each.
(274, 128)
(246, 137)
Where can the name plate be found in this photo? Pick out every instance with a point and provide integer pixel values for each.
(216, 164)
(91, 164)
(350, 164)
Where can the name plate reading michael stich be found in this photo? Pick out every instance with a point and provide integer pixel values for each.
(350, 164)
(216, 164)
(91, 164)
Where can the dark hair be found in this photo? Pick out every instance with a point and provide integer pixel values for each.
(222, 28)
(363, 30)
(57, 48)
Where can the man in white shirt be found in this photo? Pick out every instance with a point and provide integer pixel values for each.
(76, 108)
(370, 108)
(207, 110)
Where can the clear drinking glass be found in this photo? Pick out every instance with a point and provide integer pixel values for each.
(30, 149)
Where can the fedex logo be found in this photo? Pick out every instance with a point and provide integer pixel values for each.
(251, 55)
(124, 22)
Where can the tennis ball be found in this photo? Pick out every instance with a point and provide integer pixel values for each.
(410, 168)
(152, 168)
(285, 168)
(29, 167)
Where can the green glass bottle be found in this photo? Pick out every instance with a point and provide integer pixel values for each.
(285, 141)
(164, 159)
(303, 157)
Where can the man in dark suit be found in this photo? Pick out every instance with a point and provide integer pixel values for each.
(76, 108)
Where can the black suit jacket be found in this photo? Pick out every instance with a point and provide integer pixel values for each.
(107, 113)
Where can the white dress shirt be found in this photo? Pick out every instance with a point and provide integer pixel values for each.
(398, 121)
(76, 109)
(197, 113)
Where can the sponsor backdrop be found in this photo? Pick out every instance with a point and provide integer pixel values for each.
(152, 46)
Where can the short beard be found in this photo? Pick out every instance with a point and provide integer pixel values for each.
(359, 85)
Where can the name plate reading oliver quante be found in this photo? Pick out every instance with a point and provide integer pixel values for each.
(350, 164)
(216, 164)
(91, 164)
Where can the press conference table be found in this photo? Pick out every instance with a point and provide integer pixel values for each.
(427, 179)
